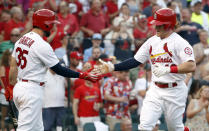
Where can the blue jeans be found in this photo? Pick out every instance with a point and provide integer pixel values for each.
(53, 117)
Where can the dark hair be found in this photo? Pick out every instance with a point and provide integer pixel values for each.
(124, 4)
(195, 86)
(5, 58)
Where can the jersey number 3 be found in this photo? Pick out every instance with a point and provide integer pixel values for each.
(21, 58)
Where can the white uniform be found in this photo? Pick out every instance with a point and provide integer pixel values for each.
(172, 50)
(33, 56)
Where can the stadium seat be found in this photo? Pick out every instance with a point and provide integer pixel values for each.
(89, 127)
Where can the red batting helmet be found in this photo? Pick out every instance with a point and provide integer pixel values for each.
(44, 19)
(165, 16)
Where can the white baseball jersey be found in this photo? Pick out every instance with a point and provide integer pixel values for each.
(172, 50)
(33, 56)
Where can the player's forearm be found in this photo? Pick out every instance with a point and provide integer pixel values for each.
(66, 72)
(186, 67)
(127, 64)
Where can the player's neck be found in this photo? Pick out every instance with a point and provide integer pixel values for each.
(38, 31)
(166, 35)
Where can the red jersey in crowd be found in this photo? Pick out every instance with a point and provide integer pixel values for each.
(71, 21)
(94, 22)
(79, 8)
(138, 34)
(46, 5)
(87, 97)
(117, 88)
(11, 24)
(112, 7)
(6, 77)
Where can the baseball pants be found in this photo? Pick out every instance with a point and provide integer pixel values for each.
(170, 101)
(28, 98)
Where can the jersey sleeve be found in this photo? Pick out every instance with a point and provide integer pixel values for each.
(142, 54)
(185, 51)
(46, 54)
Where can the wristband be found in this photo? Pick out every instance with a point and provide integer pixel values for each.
(174, 69)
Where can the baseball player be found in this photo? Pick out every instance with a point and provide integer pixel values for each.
(30, 59)
(171, 57)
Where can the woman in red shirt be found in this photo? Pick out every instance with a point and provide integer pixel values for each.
(4, 75)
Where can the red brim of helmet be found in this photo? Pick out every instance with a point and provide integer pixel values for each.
(53, 22)
(155, 22)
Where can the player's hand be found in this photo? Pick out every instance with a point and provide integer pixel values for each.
(89, 76)
(159, 70)
(105, 67)
(9, 93)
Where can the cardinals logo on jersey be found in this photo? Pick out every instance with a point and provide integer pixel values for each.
(157, 57)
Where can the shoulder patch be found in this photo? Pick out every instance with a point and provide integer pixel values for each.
(188, 51)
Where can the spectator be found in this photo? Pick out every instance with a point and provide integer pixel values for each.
(54, 96)
(94, 60)
(198, 15)
(155, 7)
(133, 6)
(188, 29)
(75, 59)
(28, 21)
(47, 4)
(116, 93)
(198, 111)
(68, 21)
(4, 18)
(205, 71)
(61, 51)
(76, 8)
(112, 9)
(15, 22)
(201, 53)
(24, 4)
(148, 11)
(174, 6)
(4, 75)
(94, 21)
(142, 31)
(86, 103)
(126, 125)
(195, 86)
(96, 42)
(125, 17)
(86, 5)
(7, 4)
(141, 86)
(123, 42)
(14, 36)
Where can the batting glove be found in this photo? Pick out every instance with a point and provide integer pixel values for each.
(104, 68)
(89, 76)
(159, 70)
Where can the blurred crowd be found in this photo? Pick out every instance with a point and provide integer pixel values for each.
(111, 30)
